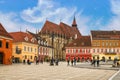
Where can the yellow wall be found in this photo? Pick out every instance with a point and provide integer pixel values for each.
(115, 44)
(29, 53)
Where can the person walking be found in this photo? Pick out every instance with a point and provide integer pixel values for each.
(24, 62)
(97, 61)
(68, 62)
(72, 62)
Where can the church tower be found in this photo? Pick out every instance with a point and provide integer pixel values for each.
(74, 23)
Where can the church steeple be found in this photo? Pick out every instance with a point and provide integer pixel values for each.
(74, 22)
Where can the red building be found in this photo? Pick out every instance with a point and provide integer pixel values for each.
(5, 46)
(79, 49)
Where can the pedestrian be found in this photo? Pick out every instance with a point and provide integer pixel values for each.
(24, 62)
(97, 61)
(56, 62)
(52, 62)
(28, 62)
(37, 61)
(72, 62)
(68, 62)
(93, 61)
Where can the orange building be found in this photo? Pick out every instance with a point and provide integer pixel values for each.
(5, 46)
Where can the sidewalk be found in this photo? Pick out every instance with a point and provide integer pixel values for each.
(116, 76)
(89, 66)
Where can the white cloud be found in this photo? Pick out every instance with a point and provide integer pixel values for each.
(12, 24)
(114, 23)
(50, 10)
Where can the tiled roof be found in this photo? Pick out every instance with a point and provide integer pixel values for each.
(111, 35)
(23, 37)
(3, 32)
(83, 41)
(62, 28)
(51, 27)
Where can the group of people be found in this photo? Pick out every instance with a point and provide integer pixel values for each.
(73, 61)
(52, 61)
(95, 61)
(26, 61)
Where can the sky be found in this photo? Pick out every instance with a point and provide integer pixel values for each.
(16, 15)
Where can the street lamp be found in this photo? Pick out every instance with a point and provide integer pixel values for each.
(52, 60)
(39, 43)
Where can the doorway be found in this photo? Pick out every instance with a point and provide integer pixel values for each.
(1, 58)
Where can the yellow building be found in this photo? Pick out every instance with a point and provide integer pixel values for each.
(24, 46)
(106, 44)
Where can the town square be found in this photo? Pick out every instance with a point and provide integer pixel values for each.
(57, 40)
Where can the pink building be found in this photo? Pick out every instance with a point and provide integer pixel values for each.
(79, 49)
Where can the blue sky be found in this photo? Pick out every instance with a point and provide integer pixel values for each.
(32, 14)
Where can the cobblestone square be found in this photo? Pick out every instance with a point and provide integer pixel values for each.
(46, 72)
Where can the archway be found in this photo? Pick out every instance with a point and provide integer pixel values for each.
(1, 58)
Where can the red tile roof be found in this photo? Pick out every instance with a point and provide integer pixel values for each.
(51, 27)
(111, 35)
(3, 32)
(22, 37)
(62, 28)
(83, 41)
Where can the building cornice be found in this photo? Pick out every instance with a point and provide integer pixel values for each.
(6, 37)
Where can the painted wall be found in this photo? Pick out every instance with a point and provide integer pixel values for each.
(7, 52)
(27, 49)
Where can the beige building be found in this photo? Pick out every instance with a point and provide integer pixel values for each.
(24, 46)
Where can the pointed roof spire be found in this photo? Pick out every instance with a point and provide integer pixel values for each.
(74, 22)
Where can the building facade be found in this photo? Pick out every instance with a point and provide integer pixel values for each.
(80, 49)
(58, 36)
(5, 46)
(24, 47)
(106, 44)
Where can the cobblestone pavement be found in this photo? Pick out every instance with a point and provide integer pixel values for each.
(46, 72)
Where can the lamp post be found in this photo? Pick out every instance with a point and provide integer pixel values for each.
(39, 43)
(52, 60)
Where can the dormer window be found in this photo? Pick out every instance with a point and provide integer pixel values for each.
(26, 38)
(33, 40)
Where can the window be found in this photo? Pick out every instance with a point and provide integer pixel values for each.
(35, 49)
(25, 57)
(101, 50)
(83, 50)
(68, 51)
(103, 44)
(117, 50)
(106, 43)
(78, 50)
(31, 57)
(74, 51)
(28, 48)
(31, 49)
(7, 45)
(94, 50)
(98, 50)
(0, 43)
(24, 48)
